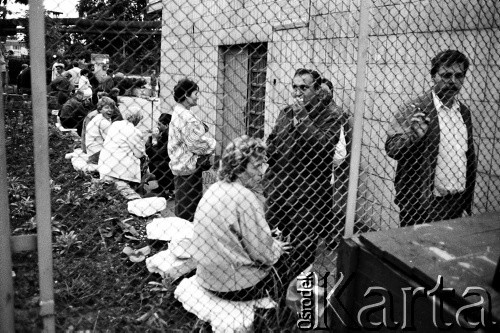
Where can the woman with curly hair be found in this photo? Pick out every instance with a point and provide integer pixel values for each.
(189, 145)
(235, 249)
(96, 128)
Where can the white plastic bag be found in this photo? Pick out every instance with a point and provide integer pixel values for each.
(146, 206)
(169, 228)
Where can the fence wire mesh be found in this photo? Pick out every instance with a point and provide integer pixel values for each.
(238, 115)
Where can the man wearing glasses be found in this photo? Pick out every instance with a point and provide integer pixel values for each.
(301, 147)
(431, 140)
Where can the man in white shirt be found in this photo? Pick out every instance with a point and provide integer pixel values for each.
(431, 138)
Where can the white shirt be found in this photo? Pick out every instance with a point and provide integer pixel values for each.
(95, 133)
(75, 75)
(85, 87)
(451, 165)
(340, 153)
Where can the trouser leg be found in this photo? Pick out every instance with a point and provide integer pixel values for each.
(188, 192)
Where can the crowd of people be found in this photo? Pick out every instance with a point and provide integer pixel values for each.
(241, 233)
(258, 227)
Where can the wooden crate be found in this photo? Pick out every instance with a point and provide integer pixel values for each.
(389, 266)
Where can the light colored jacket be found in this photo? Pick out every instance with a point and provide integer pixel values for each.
(187, 139)
(95, 133)
(75, 75)
(85, 87)
(235, 249)
(122, 149)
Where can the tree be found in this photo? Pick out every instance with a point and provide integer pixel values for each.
(4, 8)
(130, 50)
(123, 10)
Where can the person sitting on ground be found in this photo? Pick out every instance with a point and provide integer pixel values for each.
(57, 70)
(107, 82)
(84, 84)
(97, 128)
(63, 87)
(73, 113)
(235, 248)
(115, 116)
(159, 159)
(122, 149)
(75, 73)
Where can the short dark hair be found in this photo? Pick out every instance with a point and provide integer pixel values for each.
(165, 119)
(109, 71)
(84, 71)
(448, 58)
(327, 82)
(183, 89)
(315, 75)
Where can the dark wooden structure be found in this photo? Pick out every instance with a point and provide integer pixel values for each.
(426, 278)
(79, 25)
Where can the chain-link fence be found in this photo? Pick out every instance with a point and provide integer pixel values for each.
(276, 127)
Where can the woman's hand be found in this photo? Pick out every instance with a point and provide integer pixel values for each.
(285, 247)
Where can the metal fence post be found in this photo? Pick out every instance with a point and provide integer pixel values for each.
(359, 102)
(6, 284)
(41, 153)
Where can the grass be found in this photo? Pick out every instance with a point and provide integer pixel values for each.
(96, 286)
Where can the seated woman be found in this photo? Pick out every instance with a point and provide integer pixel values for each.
(122, 149)
(84, 84)
(235, 249)
(97, 129)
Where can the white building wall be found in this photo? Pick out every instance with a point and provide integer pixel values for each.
(404, 35)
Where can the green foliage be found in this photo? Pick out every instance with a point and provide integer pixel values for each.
(67, 241)
(126, 10)
(131, 50)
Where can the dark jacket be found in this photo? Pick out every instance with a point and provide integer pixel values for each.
(417, 161)
(301, 157)
(61, 83)
(73, 109)
(158, 154)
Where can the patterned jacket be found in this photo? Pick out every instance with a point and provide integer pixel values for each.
(188, 138)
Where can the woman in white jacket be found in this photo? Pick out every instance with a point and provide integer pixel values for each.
(84, 84)
(122, 150)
